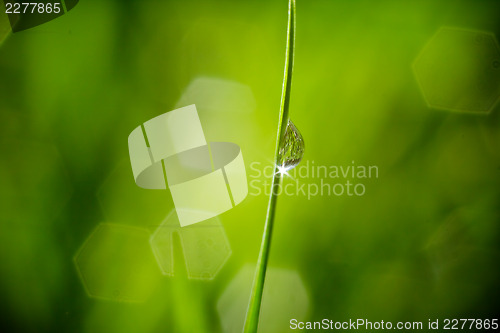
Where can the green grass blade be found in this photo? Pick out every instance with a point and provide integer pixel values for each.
(252, 318)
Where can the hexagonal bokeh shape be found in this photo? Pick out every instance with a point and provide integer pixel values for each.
(285, 297)
(116, 263)
(205, 246)
(223, 105)
(218, 95)
(459, 70)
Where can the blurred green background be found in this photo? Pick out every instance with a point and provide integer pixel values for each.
(423, 242)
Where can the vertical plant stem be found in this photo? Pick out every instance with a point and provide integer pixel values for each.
(253, 312)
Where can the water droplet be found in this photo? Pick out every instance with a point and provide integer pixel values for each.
(292, 147)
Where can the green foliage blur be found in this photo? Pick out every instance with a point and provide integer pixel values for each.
(422, 242)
